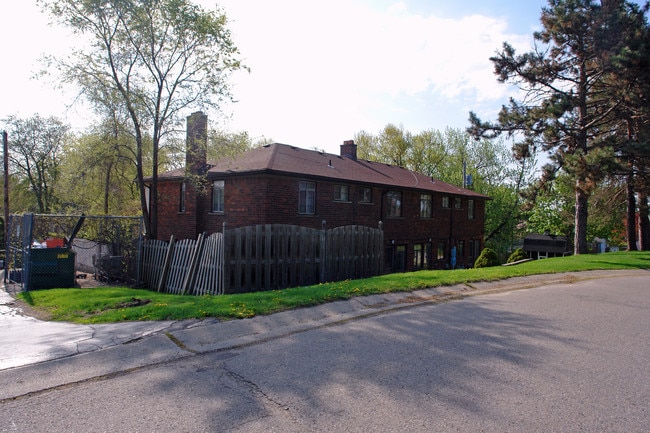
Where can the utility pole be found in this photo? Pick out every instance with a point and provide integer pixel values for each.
(5, 157)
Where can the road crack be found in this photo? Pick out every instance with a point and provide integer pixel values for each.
(272, 406)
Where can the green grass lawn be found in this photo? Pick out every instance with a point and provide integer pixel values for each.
(115, 304)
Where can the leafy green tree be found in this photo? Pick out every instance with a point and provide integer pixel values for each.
(366, 146)
(97, 175)
(158, 59)
(394, 145)
(35, 146)
(428, 152)
(222, 144)
(553, 209)
(566, 109)
(554, 206)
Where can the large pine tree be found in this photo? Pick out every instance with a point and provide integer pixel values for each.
(567, 108)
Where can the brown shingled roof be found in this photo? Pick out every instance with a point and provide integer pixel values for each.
(283, 159)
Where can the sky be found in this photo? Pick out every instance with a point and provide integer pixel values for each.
(320, 72)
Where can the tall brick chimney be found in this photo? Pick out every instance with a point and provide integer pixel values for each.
(196, 143)
(349, 150)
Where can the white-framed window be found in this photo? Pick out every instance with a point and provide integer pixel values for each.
(341, 193)
(426, 204)
(394, 204)
(470, 209)
(307, 198)
(445, 202)
(218, 203)
(458, 203)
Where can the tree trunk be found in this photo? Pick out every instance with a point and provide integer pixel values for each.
(644, 222)
(107, 186)
(580, 238)
(631, 210)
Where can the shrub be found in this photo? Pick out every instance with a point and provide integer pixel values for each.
(487, 258)
(518, 254)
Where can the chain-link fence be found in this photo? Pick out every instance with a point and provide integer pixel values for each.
(43, 250)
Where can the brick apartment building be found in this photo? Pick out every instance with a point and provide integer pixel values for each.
(426, 222)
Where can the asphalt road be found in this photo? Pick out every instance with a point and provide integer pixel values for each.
(560, 358)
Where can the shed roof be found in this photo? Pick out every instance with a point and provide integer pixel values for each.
(545, 243)
(279, 158)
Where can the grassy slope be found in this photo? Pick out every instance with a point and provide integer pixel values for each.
(114, 304)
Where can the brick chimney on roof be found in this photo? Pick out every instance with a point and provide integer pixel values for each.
(196, 143)
(349, 150)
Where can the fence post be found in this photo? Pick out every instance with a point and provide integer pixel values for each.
(165, 270)
(139, 264)
(323, 252)
(28, 227)
(380, 260)
(225, 264)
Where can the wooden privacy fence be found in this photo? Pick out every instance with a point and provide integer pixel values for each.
(263, 257)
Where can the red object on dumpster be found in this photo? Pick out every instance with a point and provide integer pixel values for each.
(55, 243)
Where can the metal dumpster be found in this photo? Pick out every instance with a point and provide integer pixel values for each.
(50, 268)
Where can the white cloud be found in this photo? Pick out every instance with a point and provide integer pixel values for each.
(320, 71)
(325, 67)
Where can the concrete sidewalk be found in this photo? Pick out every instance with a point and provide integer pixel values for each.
(37, 355)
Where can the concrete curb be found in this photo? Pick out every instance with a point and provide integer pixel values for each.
(171, 341)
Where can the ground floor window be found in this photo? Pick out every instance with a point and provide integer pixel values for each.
(440, 253)
(474, 249)
(395, 258)
(421, 256)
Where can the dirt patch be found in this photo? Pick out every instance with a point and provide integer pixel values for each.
(88, 281)
(134, 302)
(27, 310)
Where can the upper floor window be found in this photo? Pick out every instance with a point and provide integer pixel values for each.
(218, 196)
(307, 198)
(366, 195)
(394, 204)
(181, 201)
(445, 202)
(470, 209)
(425, 206)
(341, 193)
(458, 203)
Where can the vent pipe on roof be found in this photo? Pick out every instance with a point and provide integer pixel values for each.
(349, 150)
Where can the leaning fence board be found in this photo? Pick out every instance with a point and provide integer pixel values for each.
(179, 265)
(153, 259)
(209, 275)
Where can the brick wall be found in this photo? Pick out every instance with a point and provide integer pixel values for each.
(271, 199)
(171, 220)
